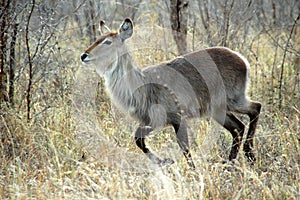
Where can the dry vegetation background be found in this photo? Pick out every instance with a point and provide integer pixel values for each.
(61, 139)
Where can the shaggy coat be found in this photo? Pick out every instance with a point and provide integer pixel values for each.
(210, 82)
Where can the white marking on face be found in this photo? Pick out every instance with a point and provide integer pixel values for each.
(106, 42)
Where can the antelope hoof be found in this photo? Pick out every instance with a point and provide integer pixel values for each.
(166, 162)
(250, 156)
(191, 165)
(229, 162)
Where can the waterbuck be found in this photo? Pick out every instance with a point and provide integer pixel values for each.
(210, 82)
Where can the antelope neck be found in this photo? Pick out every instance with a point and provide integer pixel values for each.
(121, 72)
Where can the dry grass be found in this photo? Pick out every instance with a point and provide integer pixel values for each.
(44, 159)
(44, 162)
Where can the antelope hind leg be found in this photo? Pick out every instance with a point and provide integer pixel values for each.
(253, 114)
(183, 141)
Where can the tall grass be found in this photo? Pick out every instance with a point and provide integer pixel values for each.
(72, 151)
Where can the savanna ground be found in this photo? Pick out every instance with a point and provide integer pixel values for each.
(80, 147)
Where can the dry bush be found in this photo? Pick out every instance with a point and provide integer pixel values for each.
(78, 148)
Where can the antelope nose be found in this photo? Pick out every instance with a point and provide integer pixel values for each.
(83, 56)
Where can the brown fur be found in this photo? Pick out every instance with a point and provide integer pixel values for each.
(88, 50)
(210, 82)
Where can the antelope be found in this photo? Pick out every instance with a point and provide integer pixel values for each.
(210, 82)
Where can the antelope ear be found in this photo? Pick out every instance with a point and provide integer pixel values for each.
(101, 26)
(126, 29)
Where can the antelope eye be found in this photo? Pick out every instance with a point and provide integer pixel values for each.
(107, 42)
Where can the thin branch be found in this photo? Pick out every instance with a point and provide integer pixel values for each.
(269, 34)
(74, 11)
(283, 61)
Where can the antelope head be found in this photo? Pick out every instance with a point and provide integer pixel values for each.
(104, 52)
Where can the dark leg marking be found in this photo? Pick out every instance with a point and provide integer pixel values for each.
(237, 129)
(183, 141)
(140, 135)
(253, 114)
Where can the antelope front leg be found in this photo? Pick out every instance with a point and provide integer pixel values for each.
(140, 135)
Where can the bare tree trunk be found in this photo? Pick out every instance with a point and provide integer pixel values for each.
(90, 21)
(274, 12)
(227, 13)
(12, 58)
(93, 21)
(3, 40)
(78, 20)
(28, 94)
(179, 19)
(205, 18)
